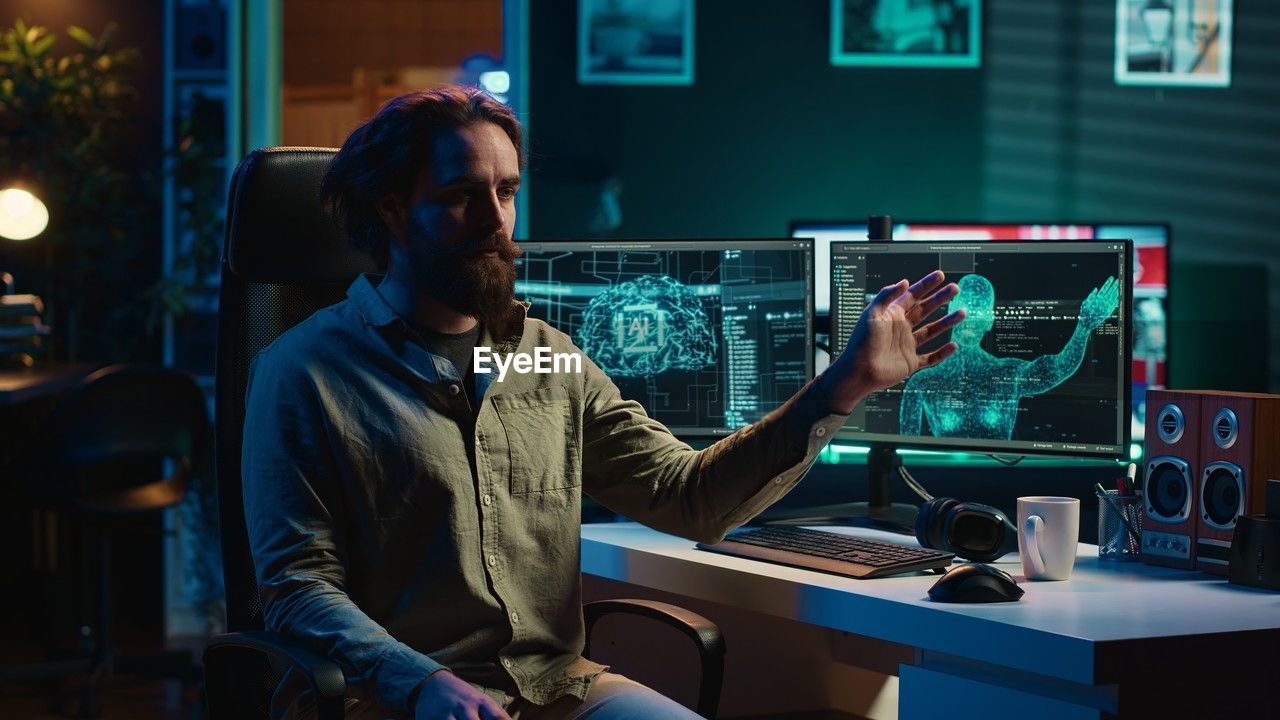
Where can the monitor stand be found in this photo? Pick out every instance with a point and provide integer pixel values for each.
(878, 512)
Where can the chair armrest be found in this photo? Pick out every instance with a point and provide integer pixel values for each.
(228, 657)
(705, 635)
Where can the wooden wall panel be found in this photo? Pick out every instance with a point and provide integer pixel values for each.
(324, 40)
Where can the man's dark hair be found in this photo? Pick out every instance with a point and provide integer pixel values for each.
(386, 155)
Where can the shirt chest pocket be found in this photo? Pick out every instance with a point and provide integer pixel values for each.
(542, 440)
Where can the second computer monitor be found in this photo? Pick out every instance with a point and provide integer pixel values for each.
(1151, 245)
(1044, 351)
(707, 335)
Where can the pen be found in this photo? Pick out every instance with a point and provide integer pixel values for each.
(1127, 484)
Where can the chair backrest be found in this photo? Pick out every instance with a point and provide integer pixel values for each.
(102, 447)
(284, 259)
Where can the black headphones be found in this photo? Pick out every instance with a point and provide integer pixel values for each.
(972, 531)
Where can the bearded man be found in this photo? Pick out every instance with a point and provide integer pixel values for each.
(419, 522)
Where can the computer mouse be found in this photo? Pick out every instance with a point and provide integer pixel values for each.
(975, 583)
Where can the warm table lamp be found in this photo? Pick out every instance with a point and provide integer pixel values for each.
(22, 217)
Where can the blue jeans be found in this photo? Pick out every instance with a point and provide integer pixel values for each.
(610, 697)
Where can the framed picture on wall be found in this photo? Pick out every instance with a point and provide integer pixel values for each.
(635, 42)
(907, 33)
(1173, 42)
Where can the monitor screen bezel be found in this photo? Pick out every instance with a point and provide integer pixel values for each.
(978, 446)
(707, 433)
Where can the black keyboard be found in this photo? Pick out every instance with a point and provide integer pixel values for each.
(855, 557)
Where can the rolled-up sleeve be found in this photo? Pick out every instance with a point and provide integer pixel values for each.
(290, 494)
(633, 465)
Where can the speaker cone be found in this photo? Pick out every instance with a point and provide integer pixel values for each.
(1222, 494)
(1168, 490)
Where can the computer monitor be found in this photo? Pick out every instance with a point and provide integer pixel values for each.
(1150, 285)
(1044, 352)
(1043, 361)
(707, 335)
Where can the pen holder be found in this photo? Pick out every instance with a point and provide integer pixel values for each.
(1119, 526)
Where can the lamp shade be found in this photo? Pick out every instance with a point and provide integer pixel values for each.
(22, 215)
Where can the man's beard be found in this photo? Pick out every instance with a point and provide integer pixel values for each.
(474, 285)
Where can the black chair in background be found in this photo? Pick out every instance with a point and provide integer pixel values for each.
(284, 259)
(98, 459)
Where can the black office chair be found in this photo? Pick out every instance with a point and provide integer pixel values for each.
(98, 458)
(284, 259)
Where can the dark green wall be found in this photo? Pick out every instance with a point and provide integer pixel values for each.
(1062, 140)
(770, 132)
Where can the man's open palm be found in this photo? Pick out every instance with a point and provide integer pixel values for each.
(884, 347)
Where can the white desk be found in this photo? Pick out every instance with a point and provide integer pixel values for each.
(1117, 638)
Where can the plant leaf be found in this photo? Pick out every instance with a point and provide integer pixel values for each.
(82, 36)
(41, 46)
(108, 32)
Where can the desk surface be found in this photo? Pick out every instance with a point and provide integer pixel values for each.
(20, 385)
(1087, 629)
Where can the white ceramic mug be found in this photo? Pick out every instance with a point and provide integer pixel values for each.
(1048, 536)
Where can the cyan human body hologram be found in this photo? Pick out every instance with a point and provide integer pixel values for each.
(974, 394)
(645, 327)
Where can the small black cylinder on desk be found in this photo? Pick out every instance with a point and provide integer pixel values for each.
(879, 227)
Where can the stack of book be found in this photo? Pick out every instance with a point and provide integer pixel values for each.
(22, 332)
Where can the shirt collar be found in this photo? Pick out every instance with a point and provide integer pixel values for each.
(376, 312)
(372, 306)
(507, 339)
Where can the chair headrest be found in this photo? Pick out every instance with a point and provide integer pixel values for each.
(277, 231)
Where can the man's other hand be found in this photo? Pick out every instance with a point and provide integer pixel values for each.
(445, 695)
(884, 347)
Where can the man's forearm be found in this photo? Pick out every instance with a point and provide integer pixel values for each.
(776, 451)
(323, 617)
(640, 470)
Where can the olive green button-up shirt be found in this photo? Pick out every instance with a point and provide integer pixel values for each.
(400, 533)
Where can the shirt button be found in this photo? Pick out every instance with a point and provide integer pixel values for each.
(487, 499)
(493, 560)
(454, 389)
(820, 431)
(506, 662)
(777, 481)
(515, 617)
